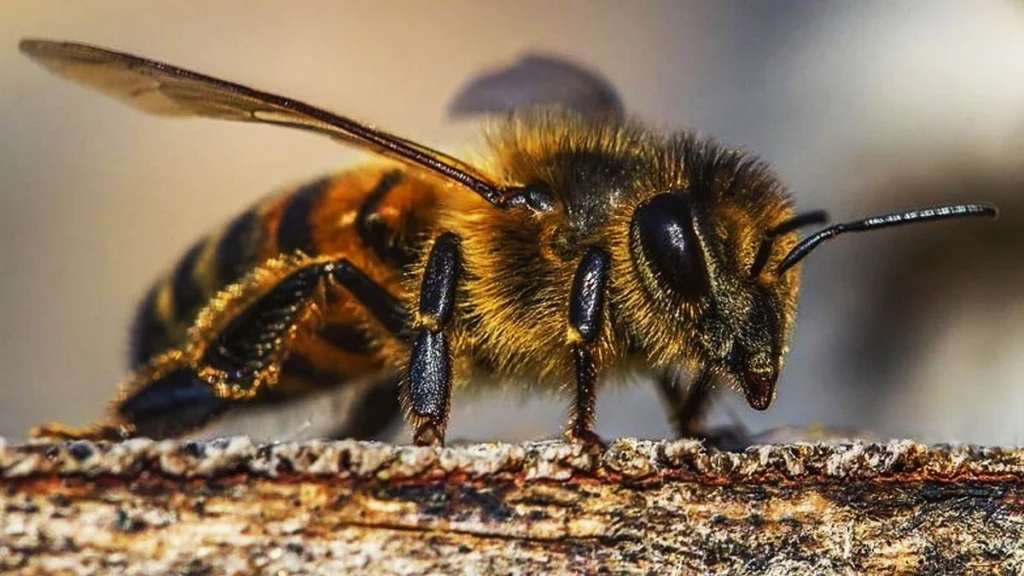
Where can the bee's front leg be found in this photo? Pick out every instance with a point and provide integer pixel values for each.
(687, 408)
(428, 393)
(586, 314)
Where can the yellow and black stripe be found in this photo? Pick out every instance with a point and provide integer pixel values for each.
(374, 217)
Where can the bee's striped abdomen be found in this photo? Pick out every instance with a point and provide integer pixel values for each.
(172, 303)
(294, 231)
(237, 248)
(169, 306)
(149, 333)
(372, 217)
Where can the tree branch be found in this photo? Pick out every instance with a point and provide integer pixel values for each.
(228, 506)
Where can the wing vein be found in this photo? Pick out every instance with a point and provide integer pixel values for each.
(165, 90)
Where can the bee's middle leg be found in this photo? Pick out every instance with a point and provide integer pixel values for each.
(428, 393)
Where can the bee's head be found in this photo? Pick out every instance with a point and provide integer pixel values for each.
(715, 259)
(703, 266)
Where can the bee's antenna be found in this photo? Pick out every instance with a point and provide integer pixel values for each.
(801, 250)
(798, 221)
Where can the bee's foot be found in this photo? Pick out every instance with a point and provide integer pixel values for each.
(726, 438)
(428, 434)
(56, 431)
(592, 443)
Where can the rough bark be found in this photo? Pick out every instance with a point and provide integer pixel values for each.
(231, 507)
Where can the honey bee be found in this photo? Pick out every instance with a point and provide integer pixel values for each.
(584, 242)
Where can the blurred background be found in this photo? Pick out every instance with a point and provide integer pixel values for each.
(862, 107)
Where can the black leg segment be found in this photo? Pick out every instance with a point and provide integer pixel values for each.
(250, 342)
(586, 313)
(587, 299)
(686, 408)
(171, 405)
(249, 350)
(347, 337)
(437, 292)
(584, 405)
(430, 373)
(381, 303)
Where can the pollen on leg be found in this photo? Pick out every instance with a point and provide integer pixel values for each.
(99, 431)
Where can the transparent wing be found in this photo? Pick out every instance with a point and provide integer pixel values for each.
(537, 80)
(166, 90)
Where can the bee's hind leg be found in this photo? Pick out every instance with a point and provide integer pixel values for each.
(165, 398)
(228, 366)
(428, 393)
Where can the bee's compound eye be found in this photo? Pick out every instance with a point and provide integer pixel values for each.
(664, 227)
(536, 196)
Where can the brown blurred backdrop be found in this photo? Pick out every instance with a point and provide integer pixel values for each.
(862, 107)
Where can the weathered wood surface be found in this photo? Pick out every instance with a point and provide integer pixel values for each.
(230, 507)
